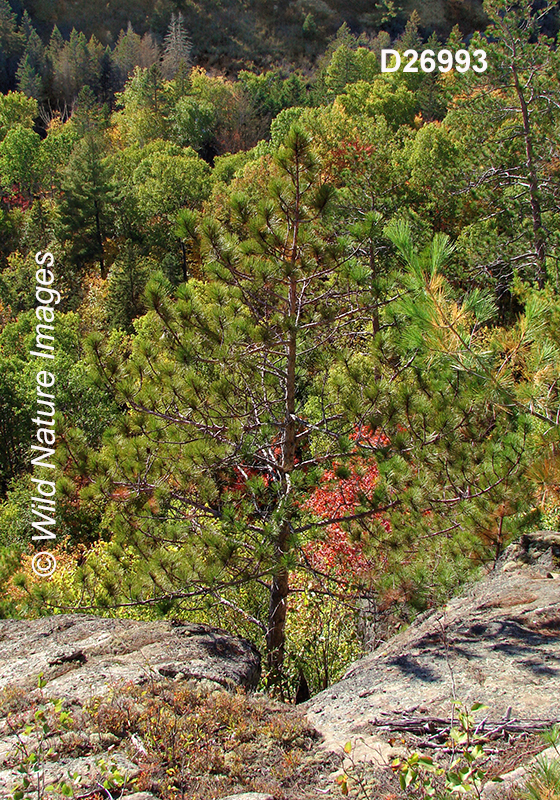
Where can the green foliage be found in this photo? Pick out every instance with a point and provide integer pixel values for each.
(349, 66)
(252, 309)
(33, 751)
(133, 50)
(127, 280)
(16, 109)
(543, 782)
(194, 122)
(19, 152)
(211, 329)
(379, 98)
(78, 63)
(15, 514)
(11, 39)
(87, 208)
(282, 123)
(28, 79)
(270, 92)
(144, 102)
(422, 776)
(168, 178)
(322, 635)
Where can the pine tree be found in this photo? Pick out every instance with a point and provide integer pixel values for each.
(32, 67)
(11, 45)
(411, 39)
(56, 43)
(133, 51)
(237, 411)
(15, 419)
(126, 283)
(28, 80)
(34, 47)
(10, 38)
(107, 78)
(88, 200)
(76, 64)
(508, 116)
(177, 47)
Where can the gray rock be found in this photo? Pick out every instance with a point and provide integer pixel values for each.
(515, 779)
(249, 796)
(140, 796)
(497, 644)
(81, 655)
(62, 768)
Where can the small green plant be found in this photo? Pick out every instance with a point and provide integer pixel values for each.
(32, 746)
(544, 780)
(421, 776)
(552, 737)
(417, 772)
(465, 774)
(33, 750)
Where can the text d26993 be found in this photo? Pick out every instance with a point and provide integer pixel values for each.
(429, 61)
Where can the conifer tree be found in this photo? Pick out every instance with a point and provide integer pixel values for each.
(88, 198)
(10, 37)
(508, 115)
(32, 68)
(11, 44)
(411, 39)
(237, 412)
(56, 44)
(33, 44)
(76, 64)
(28, 80)
(133, 51)
(177, 47)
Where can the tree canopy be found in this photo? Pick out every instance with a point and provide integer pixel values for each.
(308, 342)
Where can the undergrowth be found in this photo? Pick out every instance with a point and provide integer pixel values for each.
(181, 741)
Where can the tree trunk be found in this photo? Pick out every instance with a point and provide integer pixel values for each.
(184, 263)
(372, 266)
(276, 633)
(540, 272)
(279, 590)
(99, 240)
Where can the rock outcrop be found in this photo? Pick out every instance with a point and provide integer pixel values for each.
(497, 644)
(83, 658)
(81, 655)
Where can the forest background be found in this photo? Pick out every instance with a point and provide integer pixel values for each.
(308, 348)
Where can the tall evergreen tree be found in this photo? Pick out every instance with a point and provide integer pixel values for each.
(508, 115)
(76, 64)
(177, 47)
(28, 80)
(11, 45)
(133, 51)
(237, 411)
(88, 197)
(32, 68)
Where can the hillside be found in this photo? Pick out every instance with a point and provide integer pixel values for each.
(235, 33)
